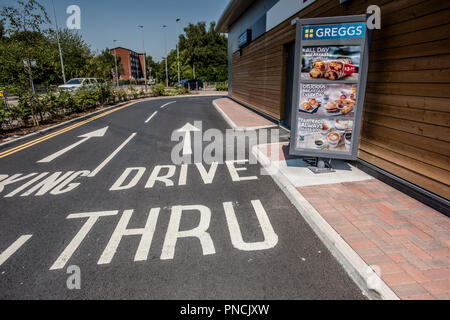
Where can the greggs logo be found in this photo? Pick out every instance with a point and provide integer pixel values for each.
(339, 31)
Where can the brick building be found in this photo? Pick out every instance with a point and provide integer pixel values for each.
(132, 63)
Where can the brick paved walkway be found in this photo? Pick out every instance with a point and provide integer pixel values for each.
(407, 240)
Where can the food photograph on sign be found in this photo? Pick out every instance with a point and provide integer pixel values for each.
(328, 100)
(330, 62)
(325, 134)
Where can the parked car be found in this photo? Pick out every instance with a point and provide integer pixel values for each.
(192, 84)
(77, 83)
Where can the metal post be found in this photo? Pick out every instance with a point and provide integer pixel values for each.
(59, 44)
(145, 62)
(115, 61)
(165, 48)
(178, 51)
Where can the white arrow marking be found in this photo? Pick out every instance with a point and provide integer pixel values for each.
(148, 120)
(87, 136)
(167, 104)
(13, 248)
(187, 138)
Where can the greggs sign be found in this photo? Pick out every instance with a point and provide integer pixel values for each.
(339, 31)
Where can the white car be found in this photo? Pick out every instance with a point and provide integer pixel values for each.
(77, 83)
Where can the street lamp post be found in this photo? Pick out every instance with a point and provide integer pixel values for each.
(178, 51)
(165, 49)
(59, 44)
(145, 62)
(115, 61)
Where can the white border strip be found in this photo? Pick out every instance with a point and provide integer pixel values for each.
(349, 259)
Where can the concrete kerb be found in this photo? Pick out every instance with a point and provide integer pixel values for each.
(86, 116)
(234, 126)
(353, 264)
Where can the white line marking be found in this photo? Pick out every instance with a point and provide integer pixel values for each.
(167, 104)
(13, 248)
(154, 113)
(86, 137)
(79, 237)
(112, 155)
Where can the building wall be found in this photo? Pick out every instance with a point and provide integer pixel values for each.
(132, 64)
(407, 107)
(254, 18)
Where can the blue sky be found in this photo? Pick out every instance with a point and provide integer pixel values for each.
(102, 21)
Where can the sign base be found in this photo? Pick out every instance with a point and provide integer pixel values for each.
(319, 165)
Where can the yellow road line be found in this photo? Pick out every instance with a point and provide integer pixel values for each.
(36, 141)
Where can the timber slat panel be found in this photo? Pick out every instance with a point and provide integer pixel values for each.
(435, 173)
(424, 103)
(412, 176)
(411, 64)
(429, 76)
(438, 147)
(418, 128)
(431, 158)
(431, 117)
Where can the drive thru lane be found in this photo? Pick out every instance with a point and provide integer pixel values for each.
(143, 227)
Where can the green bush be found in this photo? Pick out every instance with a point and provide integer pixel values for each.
(121, 95)
(159, 90)
(222, 86)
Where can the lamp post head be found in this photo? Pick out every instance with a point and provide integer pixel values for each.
(178, 19)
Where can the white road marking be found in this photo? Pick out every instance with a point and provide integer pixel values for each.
(270, 237)
(234, 171)
(121, 230)
(173, 232)
(154, 176)
(207, 176)
(150, 118)
(47, 184)
(76, 241)
(26, 185)
(15, 178)
(13, 248)
(167, 104)
(87, 136)
(187, 128)
(110, 157)
(118, 184)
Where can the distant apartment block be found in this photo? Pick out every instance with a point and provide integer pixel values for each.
(132, 63)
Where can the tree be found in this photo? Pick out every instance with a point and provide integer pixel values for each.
(101, 65)
(206, 50)
(26, 20)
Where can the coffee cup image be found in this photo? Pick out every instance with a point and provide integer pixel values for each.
(342, 124)
(348, 140)
(319, 144)
(333, 139)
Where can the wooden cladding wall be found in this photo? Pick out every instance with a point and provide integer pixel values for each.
(407, 107)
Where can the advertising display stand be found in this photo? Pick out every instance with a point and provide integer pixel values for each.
(331, 60)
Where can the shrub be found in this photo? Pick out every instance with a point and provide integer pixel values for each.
(120, 95)
(222, 86)
(159, 90)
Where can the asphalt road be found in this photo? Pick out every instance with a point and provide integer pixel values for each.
(189, 240)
